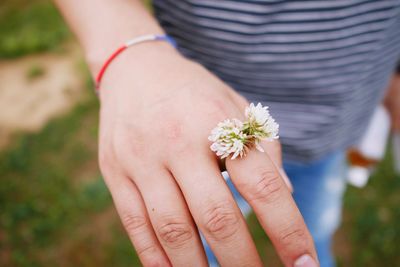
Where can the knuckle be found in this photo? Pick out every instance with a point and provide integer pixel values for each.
(124, 144)
(127, 139)
(151, 257)
(145, 248)
(267, 189)
(175, 232)
(133, 223)
(173, 129)
(157, 263)
(221, 221)
(176, 137)
(146, 251)
(129, 146)
(293, 235)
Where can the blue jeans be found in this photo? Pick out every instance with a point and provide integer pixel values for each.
(318, 190)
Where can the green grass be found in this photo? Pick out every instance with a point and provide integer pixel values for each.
(55, 209)
(29, 26)
(373, 218)
(50, 189)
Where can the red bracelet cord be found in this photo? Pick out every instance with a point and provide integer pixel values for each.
(106, 63)
(129, 43)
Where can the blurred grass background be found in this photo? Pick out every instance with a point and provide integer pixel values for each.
(56, 211)
(29, 26)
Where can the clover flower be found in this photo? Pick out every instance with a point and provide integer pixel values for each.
(228, 138)
(234, 136)
(260, 125)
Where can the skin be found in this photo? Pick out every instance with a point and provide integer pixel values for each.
(392, 102)
(157, 110)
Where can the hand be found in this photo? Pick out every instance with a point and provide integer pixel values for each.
(392, 102)
(157, 110)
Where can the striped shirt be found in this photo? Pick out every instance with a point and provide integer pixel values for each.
(321, 66)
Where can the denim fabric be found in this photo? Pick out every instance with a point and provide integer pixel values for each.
(318, 190)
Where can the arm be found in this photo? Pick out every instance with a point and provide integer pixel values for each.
(101, 26)
(392, 100)
(157, 109)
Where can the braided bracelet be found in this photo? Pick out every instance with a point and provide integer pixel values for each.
(135, 41)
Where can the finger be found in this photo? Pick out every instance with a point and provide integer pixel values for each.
(274, 150)
(214, 210)
(286, 179)
(260, 183)
(132, 212)
(170, 218)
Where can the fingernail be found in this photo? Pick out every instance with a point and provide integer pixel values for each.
(305, 261)
(286, 179)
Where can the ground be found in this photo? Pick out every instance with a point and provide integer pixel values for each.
(35, 88)
(55, 207)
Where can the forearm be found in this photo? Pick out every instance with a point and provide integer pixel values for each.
(102, 25)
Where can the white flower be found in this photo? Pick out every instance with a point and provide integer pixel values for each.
(260, 124)
(234, 136)
(258, 114)
(228, 138)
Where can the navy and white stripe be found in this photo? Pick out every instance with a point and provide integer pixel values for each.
(321, 66)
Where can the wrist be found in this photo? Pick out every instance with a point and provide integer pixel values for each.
(144, 64)
(132, 42)
(97, 55)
